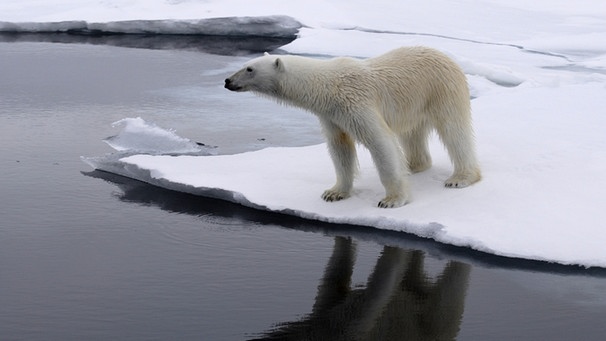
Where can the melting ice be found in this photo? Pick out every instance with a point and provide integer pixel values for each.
(138, 136)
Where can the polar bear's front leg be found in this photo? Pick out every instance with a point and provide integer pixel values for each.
(390, 160)
(342, 150)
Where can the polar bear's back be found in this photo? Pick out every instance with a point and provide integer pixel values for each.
(416, 67)
(414, 60)
(407, 86)
(419, 80)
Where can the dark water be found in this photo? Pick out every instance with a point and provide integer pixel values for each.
(86, 255)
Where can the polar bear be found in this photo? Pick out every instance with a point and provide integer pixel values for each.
(388, 103)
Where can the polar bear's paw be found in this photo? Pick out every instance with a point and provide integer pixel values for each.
(461, 180)
(334, 195)
(392, 201)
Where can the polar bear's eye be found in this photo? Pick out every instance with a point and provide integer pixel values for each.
(249, 69)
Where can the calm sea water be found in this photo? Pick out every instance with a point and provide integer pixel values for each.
(87, 255)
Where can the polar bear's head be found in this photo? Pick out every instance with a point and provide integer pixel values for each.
(259, 75)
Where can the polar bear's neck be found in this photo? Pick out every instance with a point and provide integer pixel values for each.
(307, 83)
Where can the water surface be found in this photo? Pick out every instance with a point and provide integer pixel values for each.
(86, 255)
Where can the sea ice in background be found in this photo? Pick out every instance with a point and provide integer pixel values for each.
(264, 26)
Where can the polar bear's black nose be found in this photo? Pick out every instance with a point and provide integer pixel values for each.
(229, 85)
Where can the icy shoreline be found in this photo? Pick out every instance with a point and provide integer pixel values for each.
(474, 218)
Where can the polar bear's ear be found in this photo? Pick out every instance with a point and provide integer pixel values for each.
(279, 64)
(266, 54)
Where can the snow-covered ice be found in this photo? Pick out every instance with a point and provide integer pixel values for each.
(529, 205)
(537, 73)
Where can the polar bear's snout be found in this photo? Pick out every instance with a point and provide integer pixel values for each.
(230, 85)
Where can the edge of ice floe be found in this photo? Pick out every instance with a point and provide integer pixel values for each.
(277, 26)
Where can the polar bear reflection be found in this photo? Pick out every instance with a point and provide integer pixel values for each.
(398, 303)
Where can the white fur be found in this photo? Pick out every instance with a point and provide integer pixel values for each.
(389, 104)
